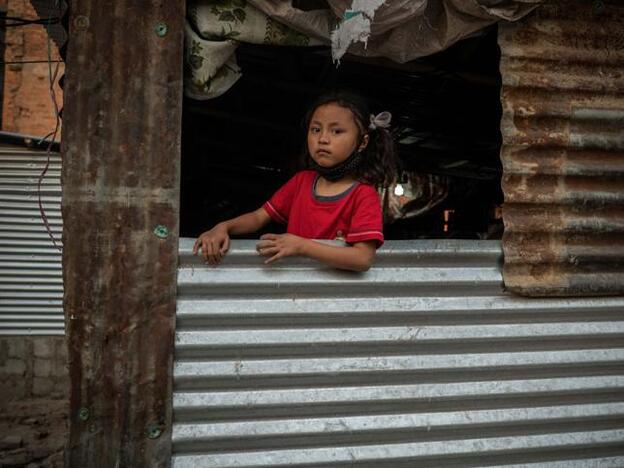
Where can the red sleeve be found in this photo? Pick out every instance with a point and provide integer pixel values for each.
(367, 220)
(278, 207)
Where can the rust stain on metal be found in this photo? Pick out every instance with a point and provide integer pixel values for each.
(563, 150)
(121, 165)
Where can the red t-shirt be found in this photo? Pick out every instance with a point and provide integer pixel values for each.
(352, 216)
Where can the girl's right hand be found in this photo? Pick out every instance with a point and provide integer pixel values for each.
(214, 244)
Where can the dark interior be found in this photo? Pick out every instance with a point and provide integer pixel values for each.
(239, 148)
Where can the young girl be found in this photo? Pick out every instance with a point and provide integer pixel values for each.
(349, 152)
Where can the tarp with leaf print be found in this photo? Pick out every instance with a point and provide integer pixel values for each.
(400, 30)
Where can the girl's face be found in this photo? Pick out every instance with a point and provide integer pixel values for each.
(333, 135)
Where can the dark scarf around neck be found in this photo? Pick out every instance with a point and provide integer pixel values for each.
(340, 170)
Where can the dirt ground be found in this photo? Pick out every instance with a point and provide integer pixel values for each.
(33, 433)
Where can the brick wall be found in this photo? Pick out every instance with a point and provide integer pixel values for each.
(34, 393)
(26, 103)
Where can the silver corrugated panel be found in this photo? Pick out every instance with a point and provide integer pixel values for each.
(563, 149)
(422, 361)
(31, 283)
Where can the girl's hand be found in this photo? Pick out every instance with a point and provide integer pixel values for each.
(214, 244)
(278, 246)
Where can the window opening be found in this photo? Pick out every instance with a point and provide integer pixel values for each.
(237, 149)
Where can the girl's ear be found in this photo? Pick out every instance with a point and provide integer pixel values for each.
(364, 142)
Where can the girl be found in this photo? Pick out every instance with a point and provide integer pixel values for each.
(349, 152)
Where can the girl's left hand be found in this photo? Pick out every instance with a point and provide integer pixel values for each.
(278, 246)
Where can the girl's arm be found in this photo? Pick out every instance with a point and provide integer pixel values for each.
(357, 257)
(215, 242)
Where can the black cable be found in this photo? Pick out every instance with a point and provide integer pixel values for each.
(52, 75)
(30, 61)
(13, 21)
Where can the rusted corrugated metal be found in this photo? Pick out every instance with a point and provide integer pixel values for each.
(563, 149)
(121, 164)
(423, 361)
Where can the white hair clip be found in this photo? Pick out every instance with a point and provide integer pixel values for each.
(381, 120)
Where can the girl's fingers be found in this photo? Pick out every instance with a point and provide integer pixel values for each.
(196, 245)
(264, 244)
(269, 236)
(225, 246)
(210, 253)
(204, 249)
(269, 251)
(216, 255)
(274, 258)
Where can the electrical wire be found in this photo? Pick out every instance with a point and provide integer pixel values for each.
(52, 76)
(21, 62)
(13, 21)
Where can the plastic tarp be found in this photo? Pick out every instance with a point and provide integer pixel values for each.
(401, 30)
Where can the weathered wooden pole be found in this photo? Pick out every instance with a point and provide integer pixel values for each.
(121, 165)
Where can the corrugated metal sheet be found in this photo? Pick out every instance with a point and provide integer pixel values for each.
(31, 284)
(422, 361)
(563, 149)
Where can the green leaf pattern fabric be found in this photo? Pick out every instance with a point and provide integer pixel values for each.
(213, 30)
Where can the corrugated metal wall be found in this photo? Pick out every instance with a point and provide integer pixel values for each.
(423, 361)
(563, 149)
(31, 284)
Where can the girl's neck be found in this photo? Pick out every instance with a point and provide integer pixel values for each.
(326, 188)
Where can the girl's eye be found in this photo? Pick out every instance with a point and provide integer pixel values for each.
(337, 131)
(314, 129)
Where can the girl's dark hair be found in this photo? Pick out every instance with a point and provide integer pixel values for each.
(379, 164)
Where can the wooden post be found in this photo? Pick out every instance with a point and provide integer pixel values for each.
(121, 166)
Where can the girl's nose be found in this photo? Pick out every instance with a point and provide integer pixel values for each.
(323, 137)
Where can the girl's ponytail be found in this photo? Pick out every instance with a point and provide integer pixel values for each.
(379, 165)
